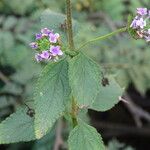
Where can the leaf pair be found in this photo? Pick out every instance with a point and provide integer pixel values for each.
(53, 89)
(51, 95)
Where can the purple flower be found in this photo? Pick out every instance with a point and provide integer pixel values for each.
(138, 23)
(55, 50)
(33, 45)
(45, 32)
(38, 57)
(47, 37)
(45, 55)
(142, 11)
(53, 37)
(38, 36)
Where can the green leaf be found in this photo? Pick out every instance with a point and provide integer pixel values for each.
(17, 127)
(6, 41)
(116, 145)
(114, 14)
(10, 22)
(53, 21)
(51, 93)
(123, 78)
(19, 6)
(16, 55)
(22, 74)
(85, 137)
(108, 96)
(138, 79)
(84, 76)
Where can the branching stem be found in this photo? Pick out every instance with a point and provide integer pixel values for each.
(74, 109)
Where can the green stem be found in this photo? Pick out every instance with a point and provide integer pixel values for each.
(74, 113)
(104, 37)
(69, 25)
(71, 46)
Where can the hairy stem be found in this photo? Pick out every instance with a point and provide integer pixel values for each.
(69, 25)
(71, 46)
(103, 37)
(74, 112)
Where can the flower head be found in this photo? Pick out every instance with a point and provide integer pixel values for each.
(139, 24)
(47, 46)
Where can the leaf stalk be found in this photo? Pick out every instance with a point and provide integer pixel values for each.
(103, 37)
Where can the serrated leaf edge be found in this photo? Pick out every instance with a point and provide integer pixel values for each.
(4, 122)
(38, 133)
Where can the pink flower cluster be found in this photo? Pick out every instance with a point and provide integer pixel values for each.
(52, 40)
(139, 23)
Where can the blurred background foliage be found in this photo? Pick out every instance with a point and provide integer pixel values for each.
(122, 56)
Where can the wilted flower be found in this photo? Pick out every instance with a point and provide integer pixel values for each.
(147, 38)
(147, 35)
(47, 45)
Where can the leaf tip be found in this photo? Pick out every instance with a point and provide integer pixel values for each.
(38, 134)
